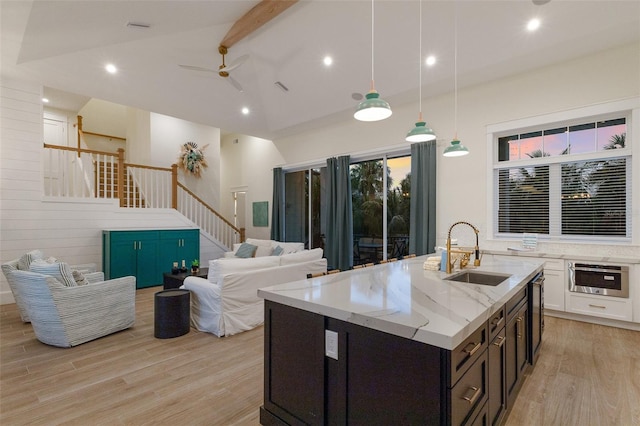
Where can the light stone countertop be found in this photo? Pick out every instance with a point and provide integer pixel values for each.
(404, 299)
(575, 257)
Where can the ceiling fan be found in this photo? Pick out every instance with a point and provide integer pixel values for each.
(224, 69)
(259, 15)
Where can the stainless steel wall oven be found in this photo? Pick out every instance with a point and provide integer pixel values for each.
(605, 280)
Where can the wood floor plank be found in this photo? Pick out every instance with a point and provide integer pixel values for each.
(586, 375)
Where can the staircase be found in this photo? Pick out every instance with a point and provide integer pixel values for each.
(107, 185)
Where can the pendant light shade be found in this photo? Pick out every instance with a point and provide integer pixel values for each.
(455, 149)
(422, 132)
(373, 108)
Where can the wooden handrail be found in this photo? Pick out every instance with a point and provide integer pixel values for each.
(142, 166)
(84, 132)
(232, 226)
(88, 151)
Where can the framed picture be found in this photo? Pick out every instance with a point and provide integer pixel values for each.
(261, 213)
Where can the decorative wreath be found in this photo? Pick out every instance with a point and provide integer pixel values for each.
(192, 158)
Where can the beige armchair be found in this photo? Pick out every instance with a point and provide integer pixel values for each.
(68, 316)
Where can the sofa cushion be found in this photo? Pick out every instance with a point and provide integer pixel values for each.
(262, 251)
(25, 261)
(246, 251)
(301, 256)
(58, 270)
(224, 266)
(258, 242)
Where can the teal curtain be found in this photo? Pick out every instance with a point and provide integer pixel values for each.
(422, 234)
(339, 244)
(277, 206)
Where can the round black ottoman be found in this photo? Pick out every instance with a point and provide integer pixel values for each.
(171, 309)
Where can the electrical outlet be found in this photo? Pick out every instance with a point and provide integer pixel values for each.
(331, 344)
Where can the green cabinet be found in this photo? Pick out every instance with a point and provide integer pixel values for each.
(146, 254)
(178, 245)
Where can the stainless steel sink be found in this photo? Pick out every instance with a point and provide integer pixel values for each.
(477, 277)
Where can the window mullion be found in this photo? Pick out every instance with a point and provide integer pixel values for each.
(555, 200)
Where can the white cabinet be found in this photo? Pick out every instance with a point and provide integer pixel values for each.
(555, 284)
(600, 306)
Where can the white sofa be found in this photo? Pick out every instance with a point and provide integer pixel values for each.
(227, 301)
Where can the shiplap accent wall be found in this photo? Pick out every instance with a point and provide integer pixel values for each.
(70, 230)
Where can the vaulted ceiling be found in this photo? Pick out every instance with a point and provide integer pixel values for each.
(66, 44)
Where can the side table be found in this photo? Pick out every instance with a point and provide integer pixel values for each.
(171, 313)
(175, 280)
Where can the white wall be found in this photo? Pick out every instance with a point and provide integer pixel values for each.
(248, 162)
(168, 134)
(462, 192)
(104, 117)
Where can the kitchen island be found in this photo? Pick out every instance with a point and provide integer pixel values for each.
(396, 344)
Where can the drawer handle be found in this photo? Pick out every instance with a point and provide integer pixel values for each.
(500, 341)
(519, 321)
(495, 323)
(474, 349)
(472, 398)
(597, 306)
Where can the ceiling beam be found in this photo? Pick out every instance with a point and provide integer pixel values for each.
(259, 15)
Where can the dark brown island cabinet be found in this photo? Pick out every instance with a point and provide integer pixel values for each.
(377, 378)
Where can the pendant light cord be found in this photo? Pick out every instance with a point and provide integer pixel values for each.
(420, 66)
(455, 73)
(372, 43)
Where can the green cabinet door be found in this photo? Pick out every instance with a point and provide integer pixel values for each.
(132, 253)
(178, 245)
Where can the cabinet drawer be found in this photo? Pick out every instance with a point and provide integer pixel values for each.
(600, 306)
(554, 264)
(466, 353)
(470, 393)
(513, 305)
(497, 322)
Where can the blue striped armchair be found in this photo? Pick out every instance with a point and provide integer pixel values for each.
(68, 316)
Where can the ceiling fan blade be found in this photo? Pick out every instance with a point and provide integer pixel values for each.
(235, 64)
(234, 83)
(259, 15)
(194, 68)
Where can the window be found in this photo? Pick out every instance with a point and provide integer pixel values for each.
(565, 181)
(305, 206)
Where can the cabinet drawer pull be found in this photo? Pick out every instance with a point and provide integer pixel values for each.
(472, 398)
(597, 306)
(495, 323)
(519, 321)
(500, 341)
(474, 349)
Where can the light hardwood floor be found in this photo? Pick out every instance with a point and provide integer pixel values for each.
(586, 375)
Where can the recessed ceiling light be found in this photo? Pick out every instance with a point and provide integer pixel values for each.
(45, 100)
(111, 69)
(431, 60)
(533, 24)
(328, 60)
(245, 111)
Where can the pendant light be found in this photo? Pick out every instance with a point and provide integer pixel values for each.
(455, 148)
(373, 108)
(420, 133)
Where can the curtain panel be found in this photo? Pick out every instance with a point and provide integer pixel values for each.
(339, 225)
(422, 234)
(277, 206)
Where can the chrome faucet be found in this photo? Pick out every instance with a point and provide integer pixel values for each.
(466, 254)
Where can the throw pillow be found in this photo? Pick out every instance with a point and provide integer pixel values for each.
(246, 251)
(301, 256)
(25, 261)
(277, 251)
(60, 271)
(79, 278)
(263, 251)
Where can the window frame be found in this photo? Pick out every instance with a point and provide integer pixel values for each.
(628, 109)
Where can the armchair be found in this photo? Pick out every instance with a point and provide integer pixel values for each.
(69, 316)
(88, 270)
